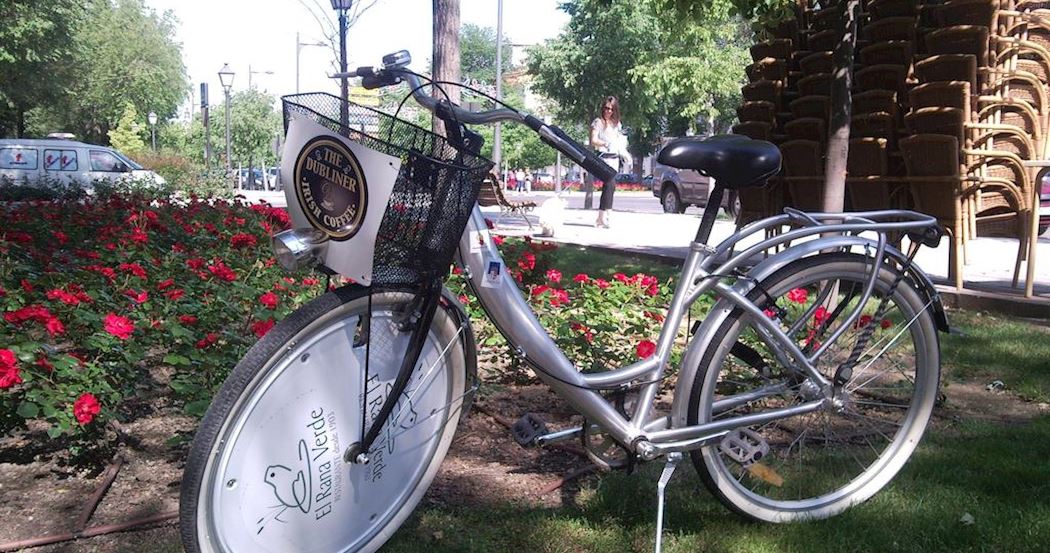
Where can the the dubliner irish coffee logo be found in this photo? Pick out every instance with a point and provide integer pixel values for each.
(331, 187)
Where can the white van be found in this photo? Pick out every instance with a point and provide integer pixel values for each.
(26, 161)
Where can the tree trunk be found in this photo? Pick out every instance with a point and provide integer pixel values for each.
(841, 111)
(21, 130)
(446, 54)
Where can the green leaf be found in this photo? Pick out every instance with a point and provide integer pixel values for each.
(173, 359)
(28, 410)
(54, 432)
(197, 408)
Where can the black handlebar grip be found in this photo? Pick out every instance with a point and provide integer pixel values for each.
(590, 162)
(379, 80)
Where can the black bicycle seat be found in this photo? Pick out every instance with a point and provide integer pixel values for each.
(734, 161)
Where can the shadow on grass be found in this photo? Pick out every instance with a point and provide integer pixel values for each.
(997, 475)
(997, 348)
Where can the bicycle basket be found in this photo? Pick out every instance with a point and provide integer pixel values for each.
(432, 197)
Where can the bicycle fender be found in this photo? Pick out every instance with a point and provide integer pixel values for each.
(690, 366)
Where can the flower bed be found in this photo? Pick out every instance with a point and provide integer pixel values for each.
(104, 299)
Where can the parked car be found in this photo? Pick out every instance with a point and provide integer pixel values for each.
(679, 189)
(627, 178)
(273, 178)
(647, 181)
(255, 182)
(27, 160)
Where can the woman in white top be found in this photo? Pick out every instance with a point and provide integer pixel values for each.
(608, 139)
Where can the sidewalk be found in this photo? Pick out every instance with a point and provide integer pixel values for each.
(987, 277)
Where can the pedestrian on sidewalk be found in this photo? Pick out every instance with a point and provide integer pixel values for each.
(608, 140)
(520, 176)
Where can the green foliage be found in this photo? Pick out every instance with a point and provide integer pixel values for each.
(35, 49)
(477, 53)
(254, 124)
(127, 136)
(666, 70)
(106, 54)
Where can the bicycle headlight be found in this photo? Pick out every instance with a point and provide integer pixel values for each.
(300, 248)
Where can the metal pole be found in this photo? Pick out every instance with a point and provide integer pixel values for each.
(153, 132)
(557, 175)
(227, 130)
(344, 115)
(249, 76)
(207, 138)
(497, 137)
(297, 50)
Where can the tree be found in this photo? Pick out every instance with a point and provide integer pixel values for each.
(35, 49)
(477, 60)
(254, 124)
(446, 52)
(665, 70)
(124, 52)
(127, 136)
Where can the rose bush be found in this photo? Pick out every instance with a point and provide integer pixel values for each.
(104, 296)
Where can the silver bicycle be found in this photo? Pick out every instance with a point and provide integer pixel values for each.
(801, 394)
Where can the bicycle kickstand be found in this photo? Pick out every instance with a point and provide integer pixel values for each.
(672, 463)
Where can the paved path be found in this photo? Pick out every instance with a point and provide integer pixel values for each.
(668, 235)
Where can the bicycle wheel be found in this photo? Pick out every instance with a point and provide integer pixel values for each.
(265, 472)
(819, 464)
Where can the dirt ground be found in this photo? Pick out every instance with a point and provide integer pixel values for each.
(41, 496)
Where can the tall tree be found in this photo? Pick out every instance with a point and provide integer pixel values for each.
(124, 52)
(477, 47)
(35, 50)
(446, 52)
(666, 70)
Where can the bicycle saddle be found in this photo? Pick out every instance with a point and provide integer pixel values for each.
(734, 161)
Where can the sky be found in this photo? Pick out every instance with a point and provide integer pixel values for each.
(261, 36)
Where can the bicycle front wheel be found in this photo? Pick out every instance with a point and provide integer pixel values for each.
(817, 465)
(266, 471)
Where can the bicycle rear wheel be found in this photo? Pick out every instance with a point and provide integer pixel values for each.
(265, 472)
(817, 465)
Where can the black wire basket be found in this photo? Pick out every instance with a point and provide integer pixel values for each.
(433, 195)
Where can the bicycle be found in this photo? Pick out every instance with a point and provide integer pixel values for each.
(801, 394)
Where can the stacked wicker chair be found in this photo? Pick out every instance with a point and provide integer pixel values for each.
(949, 100)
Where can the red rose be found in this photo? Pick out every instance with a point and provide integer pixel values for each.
(27, 286)
(260, 328)
(8, 369)
(243, 240)
(174, 294)
(554, 275)
(118, 326)
(886, 323)
(527, 261)
(269, 300)
(166, 284)
(644, 349)
(821, 315)
(208, 340)
(85, 408)
(195, 263)
(133, 268)
(63, 296)
(220, 270)
(798, 295)
(581, 278)
(43, 363)
(864, 321)
(187, 319)
(601, 283)
(139, 236)
(137, 297)
(498, 240)
(54, 326)
(559, 297)
(621, 277)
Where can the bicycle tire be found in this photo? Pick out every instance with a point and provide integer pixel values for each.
(284, 487)
(807, 471)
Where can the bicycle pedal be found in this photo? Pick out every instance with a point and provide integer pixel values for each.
(527, 429)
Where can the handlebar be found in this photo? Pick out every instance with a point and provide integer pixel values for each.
(393, 72)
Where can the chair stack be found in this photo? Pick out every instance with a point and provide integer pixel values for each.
(949, 100)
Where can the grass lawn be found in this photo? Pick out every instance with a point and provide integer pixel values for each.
(971, 486)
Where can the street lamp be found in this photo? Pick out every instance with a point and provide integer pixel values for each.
(152, 118)
(342, 6)
(298, 48)
(226, 79)
(250, 73)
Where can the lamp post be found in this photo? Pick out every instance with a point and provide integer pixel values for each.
(342, 6)
(298, 48)
(250, 73)
(226, 79)
(152, 117)
(497, 135)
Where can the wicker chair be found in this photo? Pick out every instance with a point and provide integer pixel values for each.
(940, 188)
(758, 130)
(882, 9)
(815, 63)
(779, 48)
(891, 28)
(764, 91)
(868, 181)
(822, 41)
(892, 52)
(811, 106)
(806, 128)
(803, 162)
(757, 111)
(883, 77)
(767, 69)
(875, 125)
(815, 85)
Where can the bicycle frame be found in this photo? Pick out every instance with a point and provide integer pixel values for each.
(644, 433)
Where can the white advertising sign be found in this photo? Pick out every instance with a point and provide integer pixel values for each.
(339, 187)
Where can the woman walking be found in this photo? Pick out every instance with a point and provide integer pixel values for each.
(608, 140)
